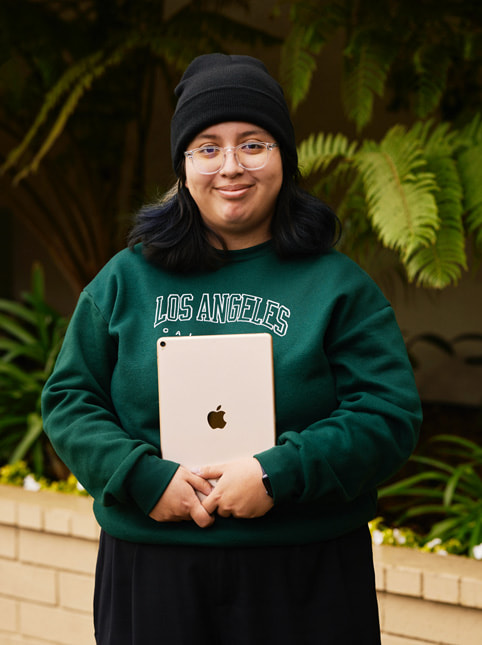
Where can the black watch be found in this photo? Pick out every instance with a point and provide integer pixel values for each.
(267, 483)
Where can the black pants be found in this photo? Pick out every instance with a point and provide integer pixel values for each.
(315, 594)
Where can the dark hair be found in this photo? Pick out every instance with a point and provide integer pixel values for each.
(175, 237)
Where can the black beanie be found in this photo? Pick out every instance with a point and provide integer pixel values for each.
(216, 88)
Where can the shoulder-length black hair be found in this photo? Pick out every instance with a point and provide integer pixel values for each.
(175, 237)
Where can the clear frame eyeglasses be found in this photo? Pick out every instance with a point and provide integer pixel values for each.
(208, 160)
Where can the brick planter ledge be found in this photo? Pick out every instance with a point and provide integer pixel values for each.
(48, 546)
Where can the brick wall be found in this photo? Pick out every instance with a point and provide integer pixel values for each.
(426, 598)
(48, 545)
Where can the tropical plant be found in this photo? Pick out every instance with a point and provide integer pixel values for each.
(423, 56)
(414, 192)
(448, 489)
(417, 191)
(31, 334)
(82, 85)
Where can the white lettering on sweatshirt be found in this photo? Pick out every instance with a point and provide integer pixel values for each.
(222, 309)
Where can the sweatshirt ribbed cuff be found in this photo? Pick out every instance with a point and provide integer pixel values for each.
(149, 479)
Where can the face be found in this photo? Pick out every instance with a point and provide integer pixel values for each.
(237, 204)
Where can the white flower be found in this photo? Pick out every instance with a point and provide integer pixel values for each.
(30, 483)
(433, 543)
(399, 537)
(377, 537)
(79, 486)
(477, 552)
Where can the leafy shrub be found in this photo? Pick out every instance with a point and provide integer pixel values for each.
(415, 192)
(447, 490)
(31, 334)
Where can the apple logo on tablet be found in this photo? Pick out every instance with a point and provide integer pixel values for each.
(216, 418)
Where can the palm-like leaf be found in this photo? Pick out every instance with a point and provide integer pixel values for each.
(460, 446)
(456, 482)
(32, 434)
(169, 40)
(69, 80)
(72, 85)
(31, 334)
(91, 169)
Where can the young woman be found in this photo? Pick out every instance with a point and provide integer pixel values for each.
(279, 550)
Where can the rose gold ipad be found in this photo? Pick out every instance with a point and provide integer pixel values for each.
(216, 397)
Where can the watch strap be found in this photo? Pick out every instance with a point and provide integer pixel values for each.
(266, 482)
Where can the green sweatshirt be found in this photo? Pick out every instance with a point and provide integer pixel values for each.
(347, 409)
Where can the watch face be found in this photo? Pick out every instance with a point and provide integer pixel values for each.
(267, 485)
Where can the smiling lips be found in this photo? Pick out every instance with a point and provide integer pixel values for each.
(233, 191)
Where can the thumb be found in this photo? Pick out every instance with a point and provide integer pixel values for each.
(210, 472)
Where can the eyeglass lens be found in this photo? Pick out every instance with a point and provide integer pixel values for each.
(251, 156)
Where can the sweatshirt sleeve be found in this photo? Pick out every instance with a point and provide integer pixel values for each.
(82, 425)
(375, 426)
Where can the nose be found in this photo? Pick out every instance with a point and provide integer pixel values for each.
(230, 166)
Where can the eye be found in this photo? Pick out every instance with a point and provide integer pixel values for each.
(208, 152)
(252, 147)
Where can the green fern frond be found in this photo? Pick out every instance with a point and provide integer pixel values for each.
(312, 27)
(400, 193)
(469, 164)
(192, 31)
(469, 158)
(436, 139)
(431, 64)
(353, 209)
(317, 152)
(365, 75)
(297, 66)
(358, 237)
(472, 133)
(323, 17)
(173, 50)
(70, 88)
(53, 97)
(409, 194)
(93, 68)
(439, 144)
(441, 263)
